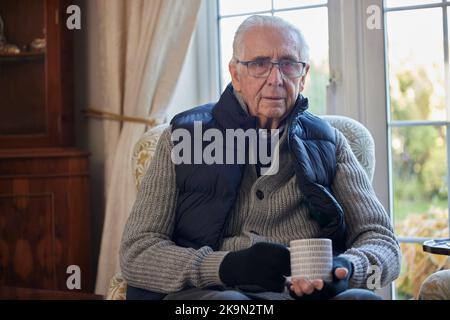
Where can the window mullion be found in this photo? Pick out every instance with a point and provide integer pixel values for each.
(447, 101)
(419, 240)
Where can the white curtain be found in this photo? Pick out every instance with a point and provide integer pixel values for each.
(140, 46)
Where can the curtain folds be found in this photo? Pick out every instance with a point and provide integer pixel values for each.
(140, 47)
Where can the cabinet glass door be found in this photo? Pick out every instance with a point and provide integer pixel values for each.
(23, 68)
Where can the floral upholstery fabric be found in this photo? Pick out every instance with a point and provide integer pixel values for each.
(117, 288)
(359, 138)
(143, 152)
(436, 286)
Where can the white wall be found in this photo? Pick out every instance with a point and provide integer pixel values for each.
(186, 94)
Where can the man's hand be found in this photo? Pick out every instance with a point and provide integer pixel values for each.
(303, 286)
(304, 289)
(263, 265)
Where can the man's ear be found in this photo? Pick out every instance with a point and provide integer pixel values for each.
(235, 76)
(303, 78)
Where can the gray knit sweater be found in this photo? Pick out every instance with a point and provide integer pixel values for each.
(150, 259)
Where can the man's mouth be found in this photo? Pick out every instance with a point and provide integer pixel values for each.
(274, 98)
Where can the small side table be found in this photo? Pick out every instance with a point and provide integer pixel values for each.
(437, 246)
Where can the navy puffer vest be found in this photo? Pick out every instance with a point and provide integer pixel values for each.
(207, 193)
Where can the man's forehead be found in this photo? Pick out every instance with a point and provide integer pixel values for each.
(261, 51)
(267, 42)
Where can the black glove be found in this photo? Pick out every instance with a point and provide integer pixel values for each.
(263, 265)
(330, 288)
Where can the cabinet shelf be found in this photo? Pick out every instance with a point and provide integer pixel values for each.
(23, 56)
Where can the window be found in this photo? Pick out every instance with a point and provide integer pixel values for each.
(310, 16)
(417, 61)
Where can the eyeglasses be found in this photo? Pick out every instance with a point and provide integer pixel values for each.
(261, 68)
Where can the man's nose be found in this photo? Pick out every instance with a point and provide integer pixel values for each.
(275, 77)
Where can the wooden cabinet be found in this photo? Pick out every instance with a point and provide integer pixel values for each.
(44, 181)
(44, 218)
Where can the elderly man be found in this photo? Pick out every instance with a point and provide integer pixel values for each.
(221, 230)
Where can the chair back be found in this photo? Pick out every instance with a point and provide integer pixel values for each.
(358, 136)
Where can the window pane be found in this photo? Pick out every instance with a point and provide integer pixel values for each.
(227, 7)
(314, 25)
(283, 4)
(419, 175)
(416, 64)
(416, 267)
(404, 3)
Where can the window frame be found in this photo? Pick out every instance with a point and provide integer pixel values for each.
(444, 5)
(390, 124)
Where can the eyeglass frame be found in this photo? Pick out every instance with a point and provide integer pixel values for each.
(246, 63)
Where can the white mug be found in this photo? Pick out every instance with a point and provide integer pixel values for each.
(311, 259)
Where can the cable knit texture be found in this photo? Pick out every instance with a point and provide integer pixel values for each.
(150, 260)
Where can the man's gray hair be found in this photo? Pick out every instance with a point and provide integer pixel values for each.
(265, 21)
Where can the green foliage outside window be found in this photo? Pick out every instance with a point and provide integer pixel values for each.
(419, 177)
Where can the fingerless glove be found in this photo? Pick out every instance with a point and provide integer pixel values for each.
(263, 265)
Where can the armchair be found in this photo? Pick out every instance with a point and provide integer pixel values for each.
(436, 286)
(359, 138)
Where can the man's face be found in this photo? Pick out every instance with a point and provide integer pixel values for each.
(271, 99)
